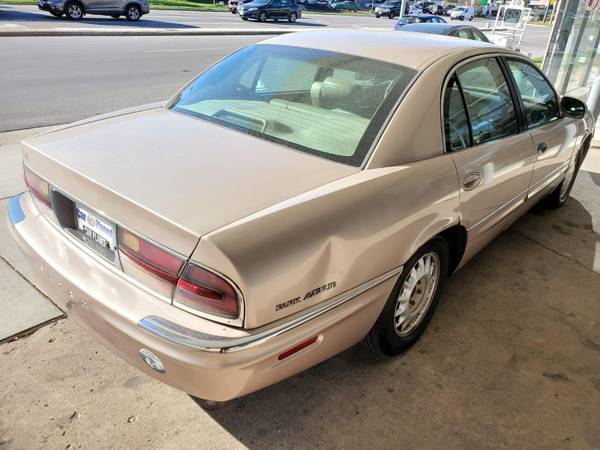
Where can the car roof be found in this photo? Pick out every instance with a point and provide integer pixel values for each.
(420, 15)
(413, 50)
(437, 28)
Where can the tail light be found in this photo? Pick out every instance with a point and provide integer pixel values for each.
(197, 289)
(152, 258)
(206, 291)
(38, 187)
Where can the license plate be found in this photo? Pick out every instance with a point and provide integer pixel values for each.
(97, 229)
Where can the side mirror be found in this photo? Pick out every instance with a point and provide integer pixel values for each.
(572, 107)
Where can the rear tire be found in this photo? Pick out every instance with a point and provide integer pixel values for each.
(377, 16)
(133, 13)
(74, 11)
(413, 300)
(391, 16)
(262, 17)
(293, 17)
(560, 195)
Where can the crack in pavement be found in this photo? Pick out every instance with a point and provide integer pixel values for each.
(2, 258)
(556, 252)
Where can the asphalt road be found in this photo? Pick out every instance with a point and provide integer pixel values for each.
(47, 81)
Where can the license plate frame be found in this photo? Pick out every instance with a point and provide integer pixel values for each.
(96, 231)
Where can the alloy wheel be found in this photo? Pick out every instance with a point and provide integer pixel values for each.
(75, 11)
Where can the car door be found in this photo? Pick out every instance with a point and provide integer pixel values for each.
(494, 157)
(286, 9)
(553, 136)
(101, 5)
(274, 9)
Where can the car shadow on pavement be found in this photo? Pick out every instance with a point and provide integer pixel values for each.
(48, 19)
(513, 334)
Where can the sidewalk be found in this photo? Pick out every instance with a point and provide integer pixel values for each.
(23, 308)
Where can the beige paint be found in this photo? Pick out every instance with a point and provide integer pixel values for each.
(277, 222)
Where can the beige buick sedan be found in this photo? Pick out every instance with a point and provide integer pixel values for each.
(298, 197)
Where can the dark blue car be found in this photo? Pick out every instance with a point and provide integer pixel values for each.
(262, 10)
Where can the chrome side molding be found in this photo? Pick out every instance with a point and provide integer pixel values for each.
(179, 335)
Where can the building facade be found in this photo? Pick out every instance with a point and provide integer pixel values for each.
(572, 61)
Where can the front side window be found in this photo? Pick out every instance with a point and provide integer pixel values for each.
(489, 103)
(456, 124)
(539, 100)
(325, 103)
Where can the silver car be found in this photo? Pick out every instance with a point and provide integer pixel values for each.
(76, 9)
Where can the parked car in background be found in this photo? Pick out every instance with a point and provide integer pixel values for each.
(132, 10)
(233, 5)
(344, 5)
(388, 9)
(448, 29)
(263, 10)
(462, 13)
(318, 194)
(448, 8)
(438, 10)
(418, 18)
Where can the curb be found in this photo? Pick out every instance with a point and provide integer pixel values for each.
(144, 32)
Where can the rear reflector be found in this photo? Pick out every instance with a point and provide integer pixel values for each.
(158, 261)
(206, 291)
(37, 186)
(297, 348)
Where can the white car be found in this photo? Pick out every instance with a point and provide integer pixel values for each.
(462, 13)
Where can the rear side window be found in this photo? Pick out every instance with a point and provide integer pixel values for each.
(464, 34)
(489, 103)
(456, 124)
(540, 105)
(479, 36)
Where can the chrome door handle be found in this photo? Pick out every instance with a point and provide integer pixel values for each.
(471, 180)
(542, 147)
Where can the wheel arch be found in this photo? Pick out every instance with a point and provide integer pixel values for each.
(128, 4)
(456, 237)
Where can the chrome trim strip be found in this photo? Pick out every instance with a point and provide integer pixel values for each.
(547, 180)
(196, 340)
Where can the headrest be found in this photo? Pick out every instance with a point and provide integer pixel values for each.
(332, 92)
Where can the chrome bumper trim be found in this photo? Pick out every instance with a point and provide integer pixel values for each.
(179, 335)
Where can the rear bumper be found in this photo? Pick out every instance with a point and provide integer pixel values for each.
(202, 358)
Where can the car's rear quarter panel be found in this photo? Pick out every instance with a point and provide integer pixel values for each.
(339, 235)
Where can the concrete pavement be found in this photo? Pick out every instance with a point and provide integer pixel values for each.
(511, 360)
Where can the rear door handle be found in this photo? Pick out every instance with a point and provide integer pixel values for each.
(542, 147)
(471, 180)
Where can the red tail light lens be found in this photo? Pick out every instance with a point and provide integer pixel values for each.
(205, 291)
(150, 257)
(38, 187)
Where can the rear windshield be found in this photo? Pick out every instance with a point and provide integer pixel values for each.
(324, 103)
